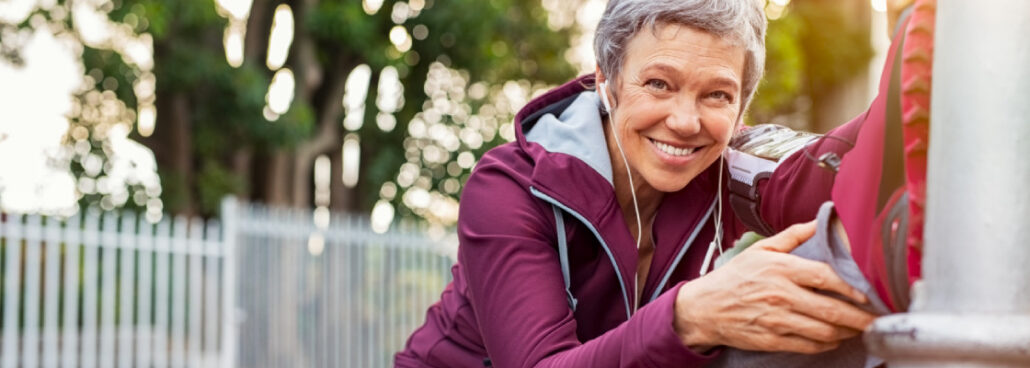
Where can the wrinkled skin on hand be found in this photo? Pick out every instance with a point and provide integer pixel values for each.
(765, 299)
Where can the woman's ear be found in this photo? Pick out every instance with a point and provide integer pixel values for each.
(603, 90)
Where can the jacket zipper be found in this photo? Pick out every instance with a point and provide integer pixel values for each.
(597, 234)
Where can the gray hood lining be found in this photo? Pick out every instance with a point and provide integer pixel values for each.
(577, 132)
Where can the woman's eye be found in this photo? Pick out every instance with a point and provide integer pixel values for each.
(657, 84)
(720, 95)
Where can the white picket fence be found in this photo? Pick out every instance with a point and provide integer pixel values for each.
(261, 287)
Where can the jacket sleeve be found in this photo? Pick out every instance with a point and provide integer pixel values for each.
(516, 291)
(799, 185)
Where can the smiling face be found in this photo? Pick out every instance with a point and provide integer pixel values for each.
(676, 102)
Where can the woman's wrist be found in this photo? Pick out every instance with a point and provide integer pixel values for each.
(686, 322)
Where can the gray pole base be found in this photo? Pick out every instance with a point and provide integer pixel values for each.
(951, 340)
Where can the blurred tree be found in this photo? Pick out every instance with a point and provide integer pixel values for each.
(212, 138)
(404, 94)
(224, 127)
(816, 52)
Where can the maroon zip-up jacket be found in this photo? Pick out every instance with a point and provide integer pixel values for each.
(507, 305)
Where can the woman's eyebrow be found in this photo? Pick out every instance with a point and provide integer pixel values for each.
(722, 81)
(660, 66)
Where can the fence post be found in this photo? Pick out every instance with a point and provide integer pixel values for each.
(12, 232)
(972, 308)
(230, 234)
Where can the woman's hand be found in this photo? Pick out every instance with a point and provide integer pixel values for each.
(764, 299)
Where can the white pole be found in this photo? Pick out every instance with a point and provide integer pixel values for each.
(973, 307)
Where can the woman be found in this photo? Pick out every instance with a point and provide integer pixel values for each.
(582, 243)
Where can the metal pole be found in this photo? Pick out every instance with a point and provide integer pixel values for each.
(972, 307)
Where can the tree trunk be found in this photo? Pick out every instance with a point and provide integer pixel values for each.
(259, 24)
(242, 159)
(277, 179)
(172, 145)
(303, 55)
(329, 113)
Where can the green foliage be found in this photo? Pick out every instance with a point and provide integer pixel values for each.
(167, 19)
(839, 54)
(174, 190)
(784, 71)
(811, 50)
(214, 182)
(487, 41)
(343, 26)
(109, 69)
(497, 40)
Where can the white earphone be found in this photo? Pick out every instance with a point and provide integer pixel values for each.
(602, 88)
(717, 239)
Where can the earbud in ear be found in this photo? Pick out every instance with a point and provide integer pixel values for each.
(603, 90)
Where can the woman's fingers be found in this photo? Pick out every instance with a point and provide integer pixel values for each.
(813, 274)
(820, 276)
(809, 328)
(830, 310)
(786, 240)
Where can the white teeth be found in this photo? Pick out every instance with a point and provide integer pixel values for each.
(674, 151)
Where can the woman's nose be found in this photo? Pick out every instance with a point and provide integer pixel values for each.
(684, 119)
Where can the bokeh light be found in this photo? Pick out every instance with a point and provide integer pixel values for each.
(382, 216)
(58, 116)
(236, 9)
(281, 37)
(280, 92)
(371, 6)
(351, 160)
(355, 93)
(400, 39)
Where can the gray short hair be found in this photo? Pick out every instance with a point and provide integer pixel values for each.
(743, 21)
